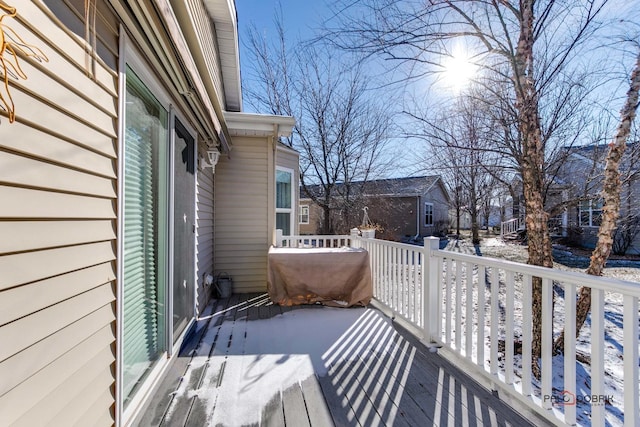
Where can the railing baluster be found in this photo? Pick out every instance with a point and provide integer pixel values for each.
(482, 271)
(630, 342)
(526, 334)
(468, 339)
(394, 281)
(439, 300)
(570, 350)
(458, 332)
(597, 355)
(449, 285)
(495, 289)
(509, 326)
(547, 341)
(387, 267)
(403, 280)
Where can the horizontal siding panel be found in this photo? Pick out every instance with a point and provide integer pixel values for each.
(251, 171)
(31, 266)
(257, 238)
(205, 195)
(75, 369)
(28, 362)
(23, 300)
(22, 333)
(21, 170)
(254, 219)
(46, 26)
(100, 414)
(28, 203)
(65, 406)
(241, 213)
(31, 235)
(59, 96)
(242, 254)
(32, 110)
(241, 270)
(205, 214)
(31, 141)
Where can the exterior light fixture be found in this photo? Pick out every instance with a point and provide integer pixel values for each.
(213, 155)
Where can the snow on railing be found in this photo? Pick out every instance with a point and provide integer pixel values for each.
(511, 226)
(479, 310)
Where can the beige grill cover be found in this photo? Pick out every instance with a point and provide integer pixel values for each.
(337, 277)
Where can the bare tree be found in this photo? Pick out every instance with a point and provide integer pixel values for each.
(611, 195)
(460, 138)
(341, 130)
(518, 42)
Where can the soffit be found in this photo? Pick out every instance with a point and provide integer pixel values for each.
(258, 125)
(223, 14)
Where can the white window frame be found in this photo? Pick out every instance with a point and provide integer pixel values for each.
(293, 200)
(301, 215)
(590, 210)
(430, 205)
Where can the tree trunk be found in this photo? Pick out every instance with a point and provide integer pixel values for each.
(611, 197)
(326, 220)
(531, 164)
(475, 235)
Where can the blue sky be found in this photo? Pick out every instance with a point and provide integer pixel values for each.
(299, 16)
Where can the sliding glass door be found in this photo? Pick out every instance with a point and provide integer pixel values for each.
(145, 239)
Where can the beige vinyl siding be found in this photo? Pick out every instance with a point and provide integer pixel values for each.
(241, 213)
(204, 230)
(58, 172)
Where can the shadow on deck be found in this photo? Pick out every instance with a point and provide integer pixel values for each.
(254, 363)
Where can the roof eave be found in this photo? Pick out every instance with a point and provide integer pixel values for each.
(258, 125)
(224, 16)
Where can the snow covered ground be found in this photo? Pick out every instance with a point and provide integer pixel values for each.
(614, 384)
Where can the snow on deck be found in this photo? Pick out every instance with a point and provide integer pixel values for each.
(254, 363)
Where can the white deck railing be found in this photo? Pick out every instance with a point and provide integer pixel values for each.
(511, 226)
(316, 241)
(478, 308)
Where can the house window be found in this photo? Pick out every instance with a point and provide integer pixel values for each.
(428, 214)
(303, 214)
(284, 196)
(590, 213)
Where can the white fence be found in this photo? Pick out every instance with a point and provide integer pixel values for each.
(479, 309)
(318, 241)
(511, 226)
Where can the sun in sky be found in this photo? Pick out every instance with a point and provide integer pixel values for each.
(458, 69)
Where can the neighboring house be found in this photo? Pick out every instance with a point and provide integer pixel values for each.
(574, 200)
(111, 219)
(582, 175)
(403, 208)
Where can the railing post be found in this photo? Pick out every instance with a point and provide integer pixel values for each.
(355, 238)
(430, 285)
(277, 237)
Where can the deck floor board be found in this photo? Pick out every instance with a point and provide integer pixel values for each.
(375, 373)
